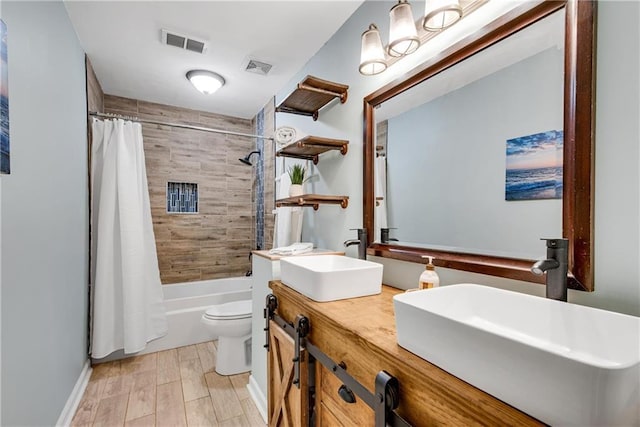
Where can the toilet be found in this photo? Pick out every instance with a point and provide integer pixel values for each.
(231, 323)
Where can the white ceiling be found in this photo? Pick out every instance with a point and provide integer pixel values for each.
(123, 42)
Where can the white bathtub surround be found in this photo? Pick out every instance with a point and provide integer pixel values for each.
(266, 267)
(186, 303)
(128, 308)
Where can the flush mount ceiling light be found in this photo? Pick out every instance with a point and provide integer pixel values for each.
(205, 81)
(372, 59)
(403, 37)
(440, 14)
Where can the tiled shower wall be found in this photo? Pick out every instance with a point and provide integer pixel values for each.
(95, 96)
(264, 187)
(215, 242)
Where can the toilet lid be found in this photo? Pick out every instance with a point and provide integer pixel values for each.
(230, 310)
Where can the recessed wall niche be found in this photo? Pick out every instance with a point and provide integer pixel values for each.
(182, 197)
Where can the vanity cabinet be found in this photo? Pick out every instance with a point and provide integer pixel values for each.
(331, 409)
(265, 267)
(359, 334)
(287, 401)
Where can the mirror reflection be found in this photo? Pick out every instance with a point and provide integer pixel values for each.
(470, 160)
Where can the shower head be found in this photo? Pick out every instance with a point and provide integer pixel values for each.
(246, 158)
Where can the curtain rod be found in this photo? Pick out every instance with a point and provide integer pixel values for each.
(175, 125)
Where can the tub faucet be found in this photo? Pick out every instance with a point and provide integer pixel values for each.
(361, 241)
(249, 272)
(556, 268)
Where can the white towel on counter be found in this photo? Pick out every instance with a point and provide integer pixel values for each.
(295, 249)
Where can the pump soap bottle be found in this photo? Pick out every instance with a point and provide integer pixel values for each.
(429, 278)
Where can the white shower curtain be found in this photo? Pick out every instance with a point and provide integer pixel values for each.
(128, 309)
(380, 215)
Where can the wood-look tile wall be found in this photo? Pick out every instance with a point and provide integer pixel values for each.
(216, 242)
(95, 96)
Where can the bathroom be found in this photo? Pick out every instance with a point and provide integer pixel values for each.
(45, 199)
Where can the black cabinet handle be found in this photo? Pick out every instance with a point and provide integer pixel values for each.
(346, 394)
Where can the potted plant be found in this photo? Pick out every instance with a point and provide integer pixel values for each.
(296, 174)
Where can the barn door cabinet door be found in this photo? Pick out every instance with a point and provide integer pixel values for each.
(288, 403)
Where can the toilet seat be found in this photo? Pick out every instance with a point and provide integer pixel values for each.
(229, 310)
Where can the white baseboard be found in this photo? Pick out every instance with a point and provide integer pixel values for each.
(258, 397)
(73, 401)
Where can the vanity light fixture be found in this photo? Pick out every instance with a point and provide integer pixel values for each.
(205, 81)
(372, 59)
(403, 37)
(440, 14)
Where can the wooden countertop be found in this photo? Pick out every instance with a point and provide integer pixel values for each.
(361, 332)
(273, 257)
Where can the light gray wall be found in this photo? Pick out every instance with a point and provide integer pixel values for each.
(617, 193)
(44, 216)
(338, 61)
(455, 147)
(0, 300)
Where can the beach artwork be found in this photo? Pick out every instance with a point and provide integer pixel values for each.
(4, 102)
(534, 166)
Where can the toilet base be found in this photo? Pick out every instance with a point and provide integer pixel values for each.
(234, 355)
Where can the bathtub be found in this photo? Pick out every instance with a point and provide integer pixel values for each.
(186, 302)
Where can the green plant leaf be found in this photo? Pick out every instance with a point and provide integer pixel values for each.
(296, 173)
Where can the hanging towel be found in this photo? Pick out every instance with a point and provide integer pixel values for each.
(283, 214)
(128, 308)
(288, 228)
(380, 217)
(297, 215)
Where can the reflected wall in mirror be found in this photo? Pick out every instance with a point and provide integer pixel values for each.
(436, 155)
(454, 145)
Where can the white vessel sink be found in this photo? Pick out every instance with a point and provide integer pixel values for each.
(561, 363)
(331, 277)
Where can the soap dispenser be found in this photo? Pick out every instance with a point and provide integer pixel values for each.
(429, 278)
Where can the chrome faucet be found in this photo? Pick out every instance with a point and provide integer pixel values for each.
(361, 241)
(556, 268)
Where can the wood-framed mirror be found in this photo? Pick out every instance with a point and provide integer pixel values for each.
(576, 116)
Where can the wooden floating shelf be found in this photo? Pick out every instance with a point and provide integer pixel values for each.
(308, 148)
(311, 95)
(314, 200)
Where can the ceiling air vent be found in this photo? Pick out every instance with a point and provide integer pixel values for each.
(183, 42)
(258, 67)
